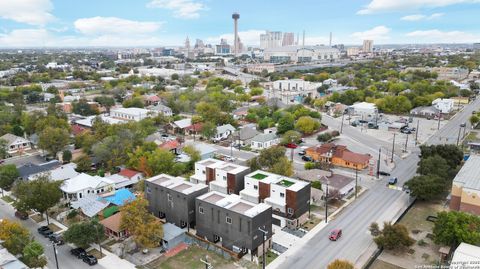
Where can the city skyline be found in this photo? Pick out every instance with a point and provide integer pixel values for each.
(54, 23)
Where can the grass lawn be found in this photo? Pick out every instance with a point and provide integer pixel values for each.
(38, 218)
(190, 259)
(7, 199)
(96, 253)
(54, 227)
(311, 223)
(416, 217)
(269, 257)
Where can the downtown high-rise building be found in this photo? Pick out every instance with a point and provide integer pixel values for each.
(271, 40)
(367, 46)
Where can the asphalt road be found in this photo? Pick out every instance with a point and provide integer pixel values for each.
(65, 259)
(377, 204)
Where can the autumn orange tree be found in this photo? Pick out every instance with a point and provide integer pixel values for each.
(147, 231)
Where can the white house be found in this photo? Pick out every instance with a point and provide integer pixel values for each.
(16, 143)
(131, 113)
(263, 141)
(64, 172)
(363, 109)
(223, 132)
(159, 108)
(444, 105)
(294, 90)
(85, 185)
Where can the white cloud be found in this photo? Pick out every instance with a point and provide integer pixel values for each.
(250, 37)
(419, 17)
(185, 9)
(113, 25)
(437, 36)
(34, 12)
(25, 37)
(377, 6)
(376, 33)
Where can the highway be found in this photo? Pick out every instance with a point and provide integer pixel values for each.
(378, 204)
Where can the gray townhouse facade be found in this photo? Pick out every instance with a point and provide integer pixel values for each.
(173, 199)
(234, 222)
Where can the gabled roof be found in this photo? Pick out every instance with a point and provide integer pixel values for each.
(182, 123)
(225, 128)
(84, 181)
(113, 222)
(264, 137)
(247, 133)
(90, 206)
(169, 145)
(128, 173)
(10, 138)
(60, 173)
(29, 169)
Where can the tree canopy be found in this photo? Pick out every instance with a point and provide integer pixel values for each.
(454, 227)
(393, 237)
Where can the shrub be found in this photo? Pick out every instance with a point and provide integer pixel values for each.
(325, 137)
(72, 214)
(309, 165)
(317, 185)
(335, 133)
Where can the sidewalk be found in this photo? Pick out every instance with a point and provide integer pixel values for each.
(112, 261)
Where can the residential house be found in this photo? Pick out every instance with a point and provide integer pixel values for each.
(173, 198)
(340, 184)
(263, 141)
(179, 126)
(444, 105)
(60, 173)
(425, 111)
(338, 155)
(113, 228)
(289, 198)
(235, 223)
(465, 194)
(90, 206)
(223, 132)
(224, 177)
(245, 135)
(206, 151)
(171, 145)
(87, 122)
(151, 100)
(10, 261)
(30, 169)
(161, 109)
(15, 144)
(131, 113)
(85, 185)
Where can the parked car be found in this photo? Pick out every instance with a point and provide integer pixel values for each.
(90, 260)
(301, 153)
(42, 228)
(406, 131)
(2, 161)
(383, 173)
(335, 235)
(392, 181)
(372, 125)
(78, 252)
(307, 158)
(291, 146)
(57, 239)
(21, 215)
(46, 233)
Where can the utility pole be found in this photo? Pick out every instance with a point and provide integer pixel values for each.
(378, 162)
(263, 245)
(326, 204)
(439, 117)
(341, 126)
(416, 133)
(356, 181)
(55, 253)
(406, 143)
(393, 147)
(291, 151)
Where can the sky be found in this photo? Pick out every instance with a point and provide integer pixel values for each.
(151, 23)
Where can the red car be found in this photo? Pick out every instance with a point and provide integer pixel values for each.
(335, 234)
(291, 146)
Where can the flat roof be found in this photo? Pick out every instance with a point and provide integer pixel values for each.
(178, 184)
(234, 203)
(160, 179)
(270, 178)
(213, 198)
(469, 175)
(241, 207)
(181, 187)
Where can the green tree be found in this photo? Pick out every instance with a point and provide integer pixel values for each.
(84, 163)
(14, 236)
(451, 153)
(82, 107)
(193, 154)
(3, 149)
(208, 130)
(8, 174)
(53, 140)
(66, 156)
(272, 159)
(427, 187)
(256, 91)
(452, 228)
(134, 102)
(285, 123)
(394, 237)
(474, 119)
(174, 76)
(434, 165)
(146, 230)
(340, 264)
(83, 234)
(291, 137)
(39, 194)
(33, 255)
(374, 229)
(307, 125)
(282, 167)
(85, 140)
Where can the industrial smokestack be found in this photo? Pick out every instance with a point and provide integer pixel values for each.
(235, 17)
(330, 44)
(303, 42)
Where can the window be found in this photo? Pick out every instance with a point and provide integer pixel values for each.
(169, 197)
(255, 187)
(224, 178)
(149, 190)
(203, 172)
(282, 194)
(200, 210)
(290, 210)
(228, 220)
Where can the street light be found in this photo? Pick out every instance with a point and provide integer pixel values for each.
(356, 180)
(326, 203)
(55, 253)
(263, 245)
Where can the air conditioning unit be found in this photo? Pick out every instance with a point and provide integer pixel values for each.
(236, 249)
